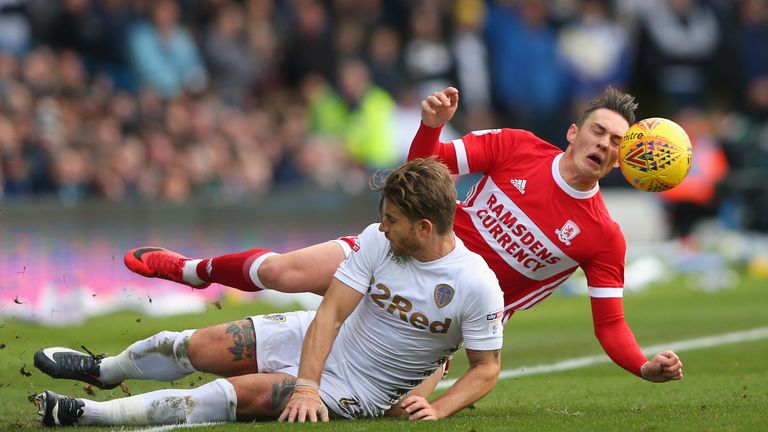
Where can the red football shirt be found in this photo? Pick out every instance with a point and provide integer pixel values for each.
(534, 230)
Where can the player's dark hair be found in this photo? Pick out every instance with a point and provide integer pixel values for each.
(422, 189)
(621, 103)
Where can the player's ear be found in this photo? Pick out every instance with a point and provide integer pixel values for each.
(571, 134)
(425, 226)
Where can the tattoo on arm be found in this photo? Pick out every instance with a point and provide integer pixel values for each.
(281, 392)
(244, 340)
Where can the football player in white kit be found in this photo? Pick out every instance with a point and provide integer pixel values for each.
(409, 296)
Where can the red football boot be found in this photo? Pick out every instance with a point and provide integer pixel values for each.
(158, 262)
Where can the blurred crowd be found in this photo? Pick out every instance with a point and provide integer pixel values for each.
(226, 100)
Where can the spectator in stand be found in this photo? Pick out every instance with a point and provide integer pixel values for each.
(384, 58)
(753, 51)
(350, 39)
(678, 44)
(607, 62)
(15, 31)
(164, 54)
(233, 66)
(471, 56)
(427, 56)
(526, 75)
(76, 27)
(311, 48)
(368, 133)
(117, 18)
(262, 24)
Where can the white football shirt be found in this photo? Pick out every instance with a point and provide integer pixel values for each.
(413, 317)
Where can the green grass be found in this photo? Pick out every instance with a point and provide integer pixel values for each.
(724, 389)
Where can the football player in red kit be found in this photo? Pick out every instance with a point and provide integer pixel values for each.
(535, 216)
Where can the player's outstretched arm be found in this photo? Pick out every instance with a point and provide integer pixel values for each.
(439, 107)
(664, 366)
(436, 110)
(477, 381)
(615, 336)
(305, 404)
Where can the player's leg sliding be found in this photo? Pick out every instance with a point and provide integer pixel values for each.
(161, 357)
(225, 349)
(212, 402)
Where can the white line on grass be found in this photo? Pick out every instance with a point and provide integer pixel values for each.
(165, 428)
(580, 362)
(575, 363)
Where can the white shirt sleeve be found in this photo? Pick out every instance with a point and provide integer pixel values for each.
(481, 327)
(357, 270)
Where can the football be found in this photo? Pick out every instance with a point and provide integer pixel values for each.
(655, 155)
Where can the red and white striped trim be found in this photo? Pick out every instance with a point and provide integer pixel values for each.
(462, 164)
(534, 297)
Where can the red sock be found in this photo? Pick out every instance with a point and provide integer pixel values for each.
(231, 270)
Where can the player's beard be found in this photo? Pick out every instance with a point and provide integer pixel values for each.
(404, 247)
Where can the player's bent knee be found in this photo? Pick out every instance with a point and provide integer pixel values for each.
(271, 272)
(207, 346)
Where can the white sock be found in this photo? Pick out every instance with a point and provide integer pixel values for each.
(253, 271)
(189, 272)
(162, 357)
(212, 402)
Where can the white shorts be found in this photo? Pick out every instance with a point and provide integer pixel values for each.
(279, 338)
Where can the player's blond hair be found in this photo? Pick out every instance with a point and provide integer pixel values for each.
(612, 99)
(422, 189)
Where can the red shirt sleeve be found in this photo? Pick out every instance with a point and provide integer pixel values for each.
(615, 335)
(605, 268)
(427, 143)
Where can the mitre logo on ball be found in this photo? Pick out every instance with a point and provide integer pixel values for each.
(655, 154)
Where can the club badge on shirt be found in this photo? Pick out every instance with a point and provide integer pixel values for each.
(567, 232)
(443, 295)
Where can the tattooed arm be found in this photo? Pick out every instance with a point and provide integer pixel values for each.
(339, 302)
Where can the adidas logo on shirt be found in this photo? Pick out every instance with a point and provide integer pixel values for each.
(519, 184)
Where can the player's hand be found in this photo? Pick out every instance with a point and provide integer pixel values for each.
(664, 366)
(439, 107)
(305, 405)
(418, 408)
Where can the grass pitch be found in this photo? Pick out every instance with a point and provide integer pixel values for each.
(725, 388)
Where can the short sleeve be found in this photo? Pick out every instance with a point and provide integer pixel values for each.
(357, 269)
(481, 327)
(605, 269)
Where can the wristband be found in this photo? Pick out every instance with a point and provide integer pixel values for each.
(303, 391)
(305, 382)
